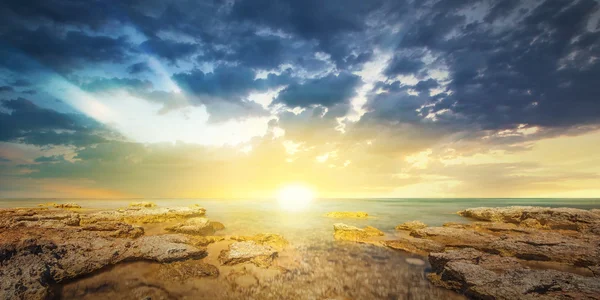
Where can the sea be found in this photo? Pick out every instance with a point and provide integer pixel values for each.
(250, 216)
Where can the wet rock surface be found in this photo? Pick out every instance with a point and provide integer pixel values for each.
(249, 251)
(343, 232)
(411, 225)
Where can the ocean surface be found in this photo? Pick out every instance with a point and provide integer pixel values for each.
(322, 267)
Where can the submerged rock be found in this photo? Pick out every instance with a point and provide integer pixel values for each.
(185, 270)
(248, 251)
(411, 225)
(347, 214)
(200, 226)
(207, 240)
(217, 225)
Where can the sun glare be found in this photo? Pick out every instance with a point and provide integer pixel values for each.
(294, 197)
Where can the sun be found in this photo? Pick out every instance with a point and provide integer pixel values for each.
(294, 197)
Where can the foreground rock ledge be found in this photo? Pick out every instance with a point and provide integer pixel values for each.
(518, 252)
(41, 247)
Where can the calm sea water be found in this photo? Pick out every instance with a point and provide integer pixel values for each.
(250, 216)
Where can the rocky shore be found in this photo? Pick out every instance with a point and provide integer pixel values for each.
(63, 251)
(506, 253)
(41, 248)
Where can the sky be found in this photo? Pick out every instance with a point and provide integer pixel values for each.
(354, 98)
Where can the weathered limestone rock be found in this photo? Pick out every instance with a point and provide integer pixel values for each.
(347, 214)
(551, 218)
(411, 225)
(39, 247)
(142, 204)
(414, 245)
(345, 232)
(372, 231)
(144, 215)
(199, 226)
(484, 276)
(270, 239)
(455, 237)
(248, 251)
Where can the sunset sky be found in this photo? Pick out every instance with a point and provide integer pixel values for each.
(354, 98)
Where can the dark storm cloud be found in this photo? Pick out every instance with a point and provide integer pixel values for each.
(537, 69)
(169, 50)
(332, 23)
(227, 83)
(66, 51)
(531, 62)
(326, 91)
(138, 68)
(31, 124)
(404, 66)
(6, 89)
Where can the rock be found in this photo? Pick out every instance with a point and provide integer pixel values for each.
(484, 276)
(552, 218)
(270, 239)
(248, 251)
(347, 214)
(66, 205)
(343, 232)
(115, 229)
(456, 237)
(412, 225)
(372, 231)
(217, 225)
(186, 270)
(37, 249)
(199, 226)
(414, 245)
(550, 246)
(415, 261)
(144, 215)
(596, 211)
(207, 240)
(142, 204)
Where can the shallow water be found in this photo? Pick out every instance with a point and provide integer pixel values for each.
(321, 268)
